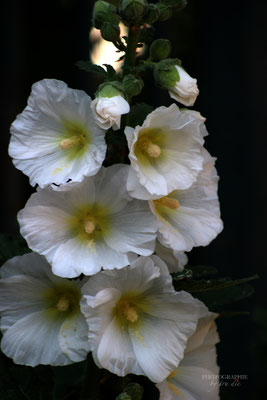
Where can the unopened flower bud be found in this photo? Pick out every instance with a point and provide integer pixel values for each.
(177, 5)
(132, 85)
(102, 13)
(165, 12)
(170, 75)
(110, 32)
(160, 49)
(185, 90)
(132, 11)
(109, 105)
(152, 14)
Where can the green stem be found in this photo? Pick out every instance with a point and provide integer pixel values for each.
(132, 42)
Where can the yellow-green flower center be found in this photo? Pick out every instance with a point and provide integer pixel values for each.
(150, 145)
(90, 222)
(74, 139)
(147, 146)
(62, 300)
(126, 310)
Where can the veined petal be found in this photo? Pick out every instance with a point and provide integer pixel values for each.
(56, 139)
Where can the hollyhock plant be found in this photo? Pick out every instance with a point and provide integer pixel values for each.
(90, 225)
(165, 152)
(137, 322)
(41, 320)
(196, 377)
(56, 138)
(189, 218)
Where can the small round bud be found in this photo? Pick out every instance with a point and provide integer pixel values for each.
(165, 12)
(132, 11)
(152, 14)
(102, 12)
(160, 49)
(166, 74)
(132, 85)
(110, 32)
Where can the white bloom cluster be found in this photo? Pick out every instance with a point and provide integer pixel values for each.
(106, 223)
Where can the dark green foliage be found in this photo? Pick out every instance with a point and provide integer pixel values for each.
(133, 391)
(139, 113)
(88, 66)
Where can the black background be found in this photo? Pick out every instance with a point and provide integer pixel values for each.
(223, 45)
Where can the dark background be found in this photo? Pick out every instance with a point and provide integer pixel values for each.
(223, 45)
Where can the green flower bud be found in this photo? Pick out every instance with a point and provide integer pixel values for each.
(165, 12)
(110, 32)
(132, 11)
(132, 85)
(101, 13)
(166, 74)
(152, 14)
(160, 49)
(110, 89)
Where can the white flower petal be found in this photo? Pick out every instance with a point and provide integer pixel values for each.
(32, 341)
(175, 260)
(73, 338)
(108, 111)
(178, 159)
(185, 91)
(55, 113)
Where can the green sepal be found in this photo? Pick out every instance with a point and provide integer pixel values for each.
(132, 11)
(166, 74)
(132, 85)
(88, 66)
(152, 14)
(110, 32)
(110, 89)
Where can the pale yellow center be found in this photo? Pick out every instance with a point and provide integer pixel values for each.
(78, 140)
(89, 225)
(147, 146)
(169, 202)
(124, 308)
(63, 303)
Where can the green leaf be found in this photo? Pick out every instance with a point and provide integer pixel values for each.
(11, 247)
(215, 299)
(111, 71)
(139, 113)
(88, 66)
(193, 286)
(200, 271)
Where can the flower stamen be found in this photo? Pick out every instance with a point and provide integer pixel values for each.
(89, 225)
(169, 202)
(147, 146)
(63, 303)
(77, 140)
(129, 312)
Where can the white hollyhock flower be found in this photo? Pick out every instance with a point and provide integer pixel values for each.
(137, 321)
(165, 152)
(108, 111)
(175, 260)
(40, 313)
(90, 225)
(191, 217)
(56, 137)
(109, 105)
(196, 377)
(185, 90)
